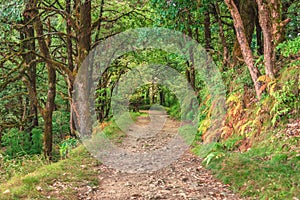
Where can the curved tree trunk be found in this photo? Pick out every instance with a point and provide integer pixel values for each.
(245, 48)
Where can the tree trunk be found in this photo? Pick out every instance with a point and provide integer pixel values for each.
(276, 20)
(84, 37)
(222, 35)
(29, 45)
(242, 39)
(84, 46)
(191, 68)
(70, 80)
(260, 44)
(270, 20)
(207, 32)
(266, 25)
(247, 11)
(49, 107)
(162, 96)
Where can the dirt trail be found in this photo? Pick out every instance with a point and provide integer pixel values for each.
(185, 178)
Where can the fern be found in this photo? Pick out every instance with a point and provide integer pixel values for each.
(233, 98)
(212, 156)
(243, 127)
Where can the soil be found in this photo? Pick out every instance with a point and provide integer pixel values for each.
(184, 178)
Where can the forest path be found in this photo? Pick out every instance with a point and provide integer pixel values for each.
(185, 178)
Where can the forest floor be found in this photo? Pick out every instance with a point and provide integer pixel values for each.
(185, 178)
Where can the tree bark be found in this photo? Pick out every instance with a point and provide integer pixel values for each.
(84, 46)
(47, 112)
(247, 11)
(276, 20)
(222, 35)
(207, 32)
(273, 26)
(70, 80)
(242, 39)
(266, 25)
(259, 40)
(29, 45)
(84, 37)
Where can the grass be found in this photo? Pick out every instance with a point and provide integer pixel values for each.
(71, 173)
(19, 166)
(269, 170)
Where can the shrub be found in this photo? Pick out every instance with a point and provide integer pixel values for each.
(18, 143)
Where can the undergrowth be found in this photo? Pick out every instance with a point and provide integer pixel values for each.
(257, 153)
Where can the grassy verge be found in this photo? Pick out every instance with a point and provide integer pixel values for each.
(54, 181)
(269, 170)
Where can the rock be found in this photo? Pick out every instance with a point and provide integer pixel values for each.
(6, 191)
(38, 188)
(184, 179)
(128, 184)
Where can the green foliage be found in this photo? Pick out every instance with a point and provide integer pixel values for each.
(209, 152)
(61, 124)
(37, 145)
(174, 111)
(231, 143)
(290, 47)
(18, 143)
(285, 101)
(292, 28)
(205, 149)
(216, 150)
(212, 156)
(66, 146)
(10, 11)
(12, 141)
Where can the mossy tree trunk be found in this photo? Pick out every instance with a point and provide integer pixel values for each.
(27, 34)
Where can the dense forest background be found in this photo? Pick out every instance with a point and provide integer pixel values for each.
(254, 44)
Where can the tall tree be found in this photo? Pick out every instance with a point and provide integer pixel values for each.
(244, 45)
(273, 28)
(47, 111)
(27, 35)
(248, 12)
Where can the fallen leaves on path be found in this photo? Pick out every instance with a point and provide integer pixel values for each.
(184, 179)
